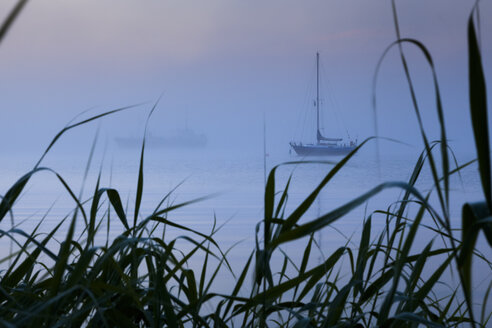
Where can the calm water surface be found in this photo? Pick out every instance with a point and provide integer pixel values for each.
(235, 183)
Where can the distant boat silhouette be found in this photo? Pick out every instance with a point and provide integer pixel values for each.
(184, 138)
(324, 146)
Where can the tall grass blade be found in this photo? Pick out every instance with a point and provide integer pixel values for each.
(478, 110)
(11, 278)
(138, 196)
(313, 226)
(239, 284)
(7, 24)
(115, 200)
(336, 307)
(483, 315)
(282, 288)
(398, 267)
(408, 317)
(14, 192)
(471, 214)
(71, 126)
(428, 285)
(362, 257)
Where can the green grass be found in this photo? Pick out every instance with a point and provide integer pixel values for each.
(142, 278)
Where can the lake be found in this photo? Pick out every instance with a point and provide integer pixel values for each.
(234, 182)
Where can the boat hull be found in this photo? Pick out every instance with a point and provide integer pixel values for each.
(321, 150)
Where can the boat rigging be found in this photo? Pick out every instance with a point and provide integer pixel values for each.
(324, 146)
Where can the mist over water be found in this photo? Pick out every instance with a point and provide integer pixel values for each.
(233, 180)
(222, 65)
(229, 71)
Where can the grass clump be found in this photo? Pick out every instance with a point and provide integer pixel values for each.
(142, 278)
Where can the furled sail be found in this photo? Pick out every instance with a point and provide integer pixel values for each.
(323, 138)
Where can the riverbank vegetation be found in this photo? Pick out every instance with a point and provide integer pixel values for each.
(142, 278)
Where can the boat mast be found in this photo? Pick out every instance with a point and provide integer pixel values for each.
(317, 95)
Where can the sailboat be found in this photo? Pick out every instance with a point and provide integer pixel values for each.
(183, 138)
(324, 146)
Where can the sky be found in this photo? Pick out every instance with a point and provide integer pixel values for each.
(222, 65)
(225, 65)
